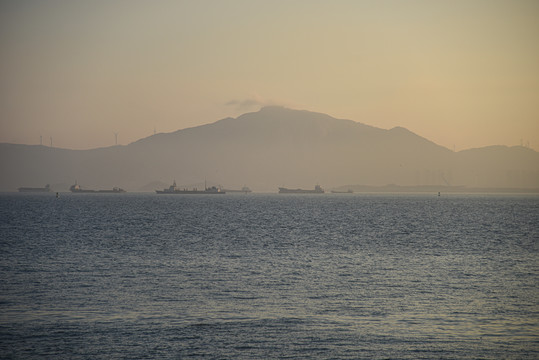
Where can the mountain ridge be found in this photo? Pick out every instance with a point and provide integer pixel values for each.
(273, 147)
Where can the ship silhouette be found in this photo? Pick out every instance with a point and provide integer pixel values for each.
(317, 190)
(173, 189)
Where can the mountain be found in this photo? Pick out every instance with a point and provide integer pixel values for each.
(269, 148)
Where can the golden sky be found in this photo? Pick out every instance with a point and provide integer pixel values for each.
(462, 73)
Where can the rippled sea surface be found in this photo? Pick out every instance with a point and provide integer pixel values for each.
(89, 276)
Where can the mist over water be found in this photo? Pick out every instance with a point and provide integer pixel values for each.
(269, 276)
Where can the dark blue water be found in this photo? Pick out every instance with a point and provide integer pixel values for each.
(269, 276)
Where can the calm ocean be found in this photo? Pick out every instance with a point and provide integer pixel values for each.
(146, 276)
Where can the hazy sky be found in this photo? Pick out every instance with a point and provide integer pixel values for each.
(460, 73)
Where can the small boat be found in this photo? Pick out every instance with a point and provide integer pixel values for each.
(349, 191)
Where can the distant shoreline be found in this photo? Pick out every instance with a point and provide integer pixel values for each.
(435, 189)
(371, 189)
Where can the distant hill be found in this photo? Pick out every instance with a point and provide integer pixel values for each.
(269, 148)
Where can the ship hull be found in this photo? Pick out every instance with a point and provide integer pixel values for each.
(82, 191)
(300, 191)
(34, 190)
(174, 190)
(189, 192)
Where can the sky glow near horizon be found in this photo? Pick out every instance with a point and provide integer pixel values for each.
(463, 74)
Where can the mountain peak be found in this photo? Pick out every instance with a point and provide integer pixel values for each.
(273, 108)
(280, 110)
(400, 128)
(285, 113)
(274, 146)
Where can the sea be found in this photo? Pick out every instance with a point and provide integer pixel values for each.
(269, 276)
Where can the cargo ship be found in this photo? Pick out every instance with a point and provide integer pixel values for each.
(317, 190)
(244, 190)
(47, 188)
(173, 189)
(78, 190)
